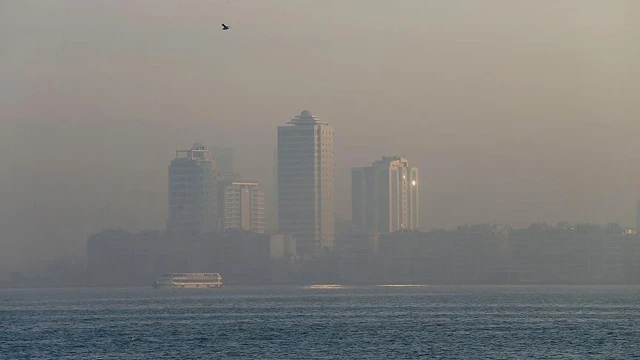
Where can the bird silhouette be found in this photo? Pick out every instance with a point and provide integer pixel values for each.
(225, 27)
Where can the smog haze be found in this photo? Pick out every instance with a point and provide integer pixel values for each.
(515, 111)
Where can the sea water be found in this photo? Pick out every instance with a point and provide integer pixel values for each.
(322, 322)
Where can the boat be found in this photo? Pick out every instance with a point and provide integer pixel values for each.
(189, 280)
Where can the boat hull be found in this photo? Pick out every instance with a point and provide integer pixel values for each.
(189, 281)
(188, 286)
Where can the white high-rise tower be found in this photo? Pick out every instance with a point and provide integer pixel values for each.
(306, 190)
(243, 207)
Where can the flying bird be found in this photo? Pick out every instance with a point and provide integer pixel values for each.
(225, 27)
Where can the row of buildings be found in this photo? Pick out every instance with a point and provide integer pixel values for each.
(494, 254)
(205, 193)
(209, 204)
(202, 198)
(217, 222)
(384, 196)
(208, 200)
(120, 258)
(477, 254)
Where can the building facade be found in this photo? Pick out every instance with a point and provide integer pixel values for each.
(192, 192)
(272, 204)
(638, 216)
(384, 196)
(244, 207)
(305, 176)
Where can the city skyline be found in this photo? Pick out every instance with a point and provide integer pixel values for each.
(523, 114)
(315, 178)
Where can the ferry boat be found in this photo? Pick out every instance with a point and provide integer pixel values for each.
(189, 280)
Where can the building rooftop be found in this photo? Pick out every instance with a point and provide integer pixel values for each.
(244, 183)
(306, 118)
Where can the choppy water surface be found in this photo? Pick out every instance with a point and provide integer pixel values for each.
(322, 322)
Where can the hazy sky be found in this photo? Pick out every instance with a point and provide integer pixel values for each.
(514, 111)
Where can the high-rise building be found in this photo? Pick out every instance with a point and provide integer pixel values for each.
(192, 191)
(244, 207)
(638, 217)
(384, 196)
(224, 160)
(306, 192)
(272, 204)
(363, 213)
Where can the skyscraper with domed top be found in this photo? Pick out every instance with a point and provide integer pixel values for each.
(306, 186)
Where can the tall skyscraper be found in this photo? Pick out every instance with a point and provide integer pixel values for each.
(384, 196)
(306, 192)
(192, 191)
(272, 204)
(638, 217)
(244, 207)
